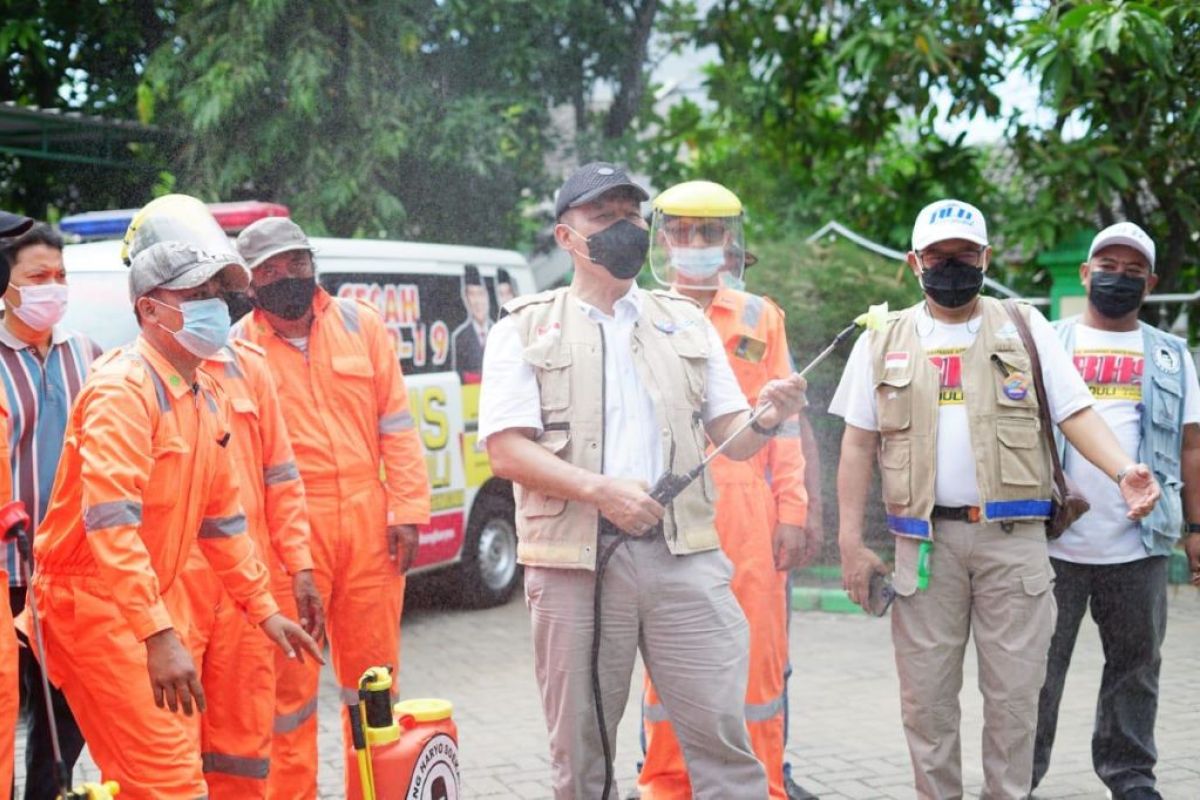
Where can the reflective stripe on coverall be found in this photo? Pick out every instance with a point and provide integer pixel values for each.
(145, 473)
(9, 682)
(235, 659)
(347, 416)
(752, 497)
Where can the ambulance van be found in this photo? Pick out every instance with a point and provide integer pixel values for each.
(432, 300)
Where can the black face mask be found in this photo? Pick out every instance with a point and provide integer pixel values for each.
(1114, 295)
(239, 305)
(289, 298)
(620, 248)
(952, 284)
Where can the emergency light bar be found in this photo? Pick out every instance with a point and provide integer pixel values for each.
(232, 217)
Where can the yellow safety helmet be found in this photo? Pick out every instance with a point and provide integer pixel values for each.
(696, 236)
(176, 217)
(698, 199)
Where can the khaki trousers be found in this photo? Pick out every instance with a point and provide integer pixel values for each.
(996, 584)
(680, 612)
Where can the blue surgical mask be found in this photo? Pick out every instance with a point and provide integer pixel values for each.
(205, 328)
(698, 262)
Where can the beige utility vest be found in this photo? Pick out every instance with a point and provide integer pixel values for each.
(1012, 460)
(566, 350)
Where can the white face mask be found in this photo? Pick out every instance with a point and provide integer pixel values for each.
(698, 262)
(42, 305)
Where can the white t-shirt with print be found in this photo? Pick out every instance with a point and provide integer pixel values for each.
(955, 479)
(1112, 365)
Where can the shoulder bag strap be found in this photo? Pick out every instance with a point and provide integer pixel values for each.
(1039, 385)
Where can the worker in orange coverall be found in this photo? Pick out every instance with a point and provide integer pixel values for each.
(146, 473)
(762, 504)
(10, 225)
(347, 414)
(236, 662)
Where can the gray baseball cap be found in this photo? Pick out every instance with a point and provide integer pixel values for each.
(179, 265)
(270, 237)
(592, 180)
(13, 224)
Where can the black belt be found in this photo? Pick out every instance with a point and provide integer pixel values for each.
(958, 513)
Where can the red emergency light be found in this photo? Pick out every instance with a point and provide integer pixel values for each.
(233, 217)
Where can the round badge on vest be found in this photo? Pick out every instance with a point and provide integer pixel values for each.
(1016, 386)
(1166, 359)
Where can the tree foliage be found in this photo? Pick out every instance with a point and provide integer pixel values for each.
(820, 110)
(82, 57)
(428, 118)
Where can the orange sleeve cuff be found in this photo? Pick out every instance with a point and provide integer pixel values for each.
(149, 622)
(296, 559)
(261, 607)
(793, 514)
(408, 513)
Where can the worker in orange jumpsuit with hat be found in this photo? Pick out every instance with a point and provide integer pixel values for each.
(347, 414)
(762, 506)
(236, 662)
(145, 473)
(10, 225)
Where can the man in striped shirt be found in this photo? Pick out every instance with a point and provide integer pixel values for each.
(42, 367)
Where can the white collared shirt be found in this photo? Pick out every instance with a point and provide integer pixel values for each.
(510, 397)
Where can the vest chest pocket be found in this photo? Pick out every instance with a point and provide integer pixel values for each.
(895, 470)
(551, 362)
(691, 345)
(1021, 459)
(893, 402)
(1013, 379)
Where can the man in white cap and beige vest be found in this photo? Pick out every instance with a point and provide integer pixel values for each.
(945, 396)
(590, 393)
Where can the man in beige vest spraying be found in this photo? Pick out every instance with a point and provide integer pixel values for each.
(945, 396)
(590, 394)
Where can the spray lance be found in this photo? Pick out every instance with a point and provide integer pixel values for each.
(668, 487)
(14, 522)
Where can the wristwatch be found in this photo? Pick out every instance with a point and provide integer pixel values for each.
(761, 431)
(1193, 527)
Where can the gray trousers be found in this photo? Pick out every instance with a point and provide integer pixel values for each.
(996, 585)
(1129, 604)
(679, 611)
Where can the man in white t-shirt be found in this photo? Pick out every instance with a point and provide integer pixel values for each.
(944, 395)
(1144, 384)
(591, 393)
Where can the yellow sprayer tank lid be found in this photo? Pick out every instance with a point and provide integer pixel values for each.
(426, 709)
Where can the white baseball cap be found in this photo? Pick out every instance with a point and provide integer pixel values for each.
(1125, 233)
(949, 219)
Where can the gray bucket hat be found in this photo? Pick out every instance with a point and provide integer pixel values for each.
(270, 237)
(179, 265)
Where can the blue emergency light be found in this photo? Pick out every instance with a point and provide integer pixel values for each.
(112, 224)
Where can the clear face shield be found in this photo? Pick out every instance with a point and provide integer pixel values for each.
(179, 218)
(697, 252)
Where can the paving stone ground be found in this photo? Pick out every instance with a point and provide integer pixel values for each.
(845, 737)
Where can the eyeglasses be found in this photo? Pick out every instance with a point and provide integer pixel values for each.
(680, 231)
(934, 259)
(1137, 269)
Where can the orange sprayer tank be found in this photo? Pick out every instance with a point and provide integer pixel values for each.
(411, 749)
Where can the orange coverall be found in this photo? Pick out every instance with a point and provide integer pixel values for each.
(9, 685)
(752, 497)
(235, 659)
(347, 416)
(145, 473)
